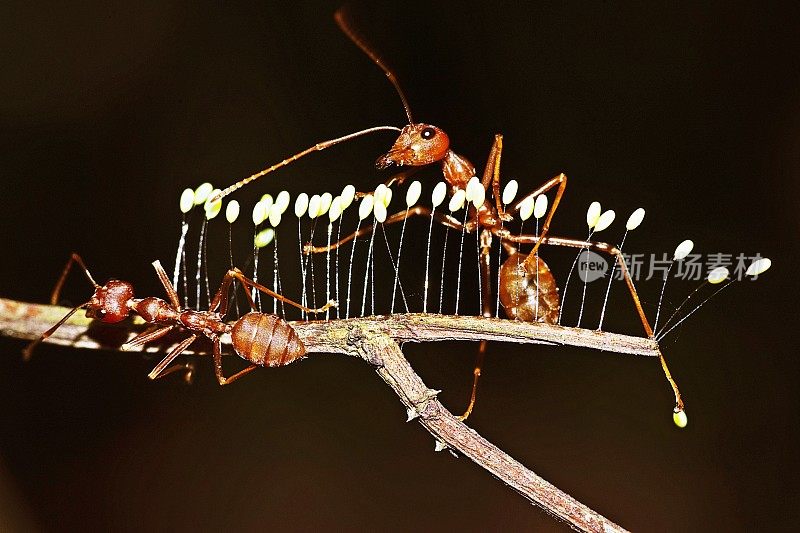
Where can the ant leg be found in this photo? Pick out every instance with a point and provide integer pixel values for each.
(486, 248)
(171, 293)
(561, 181)
(247, 282)
(618, 257)
(188, 367)
(476, 374)
(74, 258)
(156, 333)
(219, 303)
(27, 352)
(147, 336)
(419, 210)
(218, 366)
(491, 175)
(158, 371)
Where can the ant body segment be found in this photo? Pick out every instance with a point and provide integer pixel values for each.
(259, 338)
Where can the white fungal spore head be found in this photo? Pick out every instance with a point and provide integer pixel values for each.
(365, 207)
(380, 212)
(680, 418)
(348, 194)
(301, 205)
(275, 216)
(387, 197)
(593, 214)
(759, 266)
(268, 201)
(264, 237)
(232, 211)
(471, 187)
(380, 190)
(635, 219)
(314, 204)
(457, 201)
(201, 193)
(282, 201)
(212, 209)
(438, 194)
(526, 208)
(336, 209)
(260, 212)
(413, 193)
(478, 195)
(510, 192)
(324, 203)
(718, 275)
(605, 220)
(540, 206)
(683, 249)
(187, 200)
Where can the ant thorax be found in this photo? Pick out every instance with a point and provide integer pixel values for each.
(154, 310)
(457, 170)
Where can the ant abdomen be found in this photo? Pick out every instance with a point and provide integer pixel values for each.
(266, 340)
(528, 290)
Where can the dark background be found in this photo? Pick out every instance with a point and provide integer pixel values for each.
(107, 113)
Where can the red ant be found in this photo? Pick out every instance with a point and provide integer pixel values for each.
(528, 290)
(260, 338)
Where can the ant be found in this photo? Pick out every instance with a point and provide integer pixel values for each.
(528, 290)
(259, 338)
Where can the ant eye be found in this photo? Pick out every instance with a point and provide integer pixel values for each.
(428, 133)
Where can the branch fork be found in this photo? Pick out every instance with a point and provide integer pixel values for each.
(376, 341)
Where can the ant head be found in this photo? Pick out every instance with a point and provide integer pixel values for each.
(417, 145)
(109, 303)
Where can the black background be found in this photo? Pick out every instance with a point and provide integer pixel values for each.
(107, 113)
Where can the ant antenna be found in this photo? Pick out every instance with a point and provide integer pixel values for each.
(28, 351)
(316, 148)
(343, 21)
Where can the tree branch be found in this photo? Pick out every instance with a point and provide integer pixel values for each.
(374, 340)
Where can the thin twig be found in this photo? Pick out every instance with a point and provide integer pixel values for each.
(24, 320)
(382, 352)
(375, 341)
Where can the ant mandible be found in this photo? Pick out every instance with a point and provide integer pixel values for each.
(528, 290)
(259, 338)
